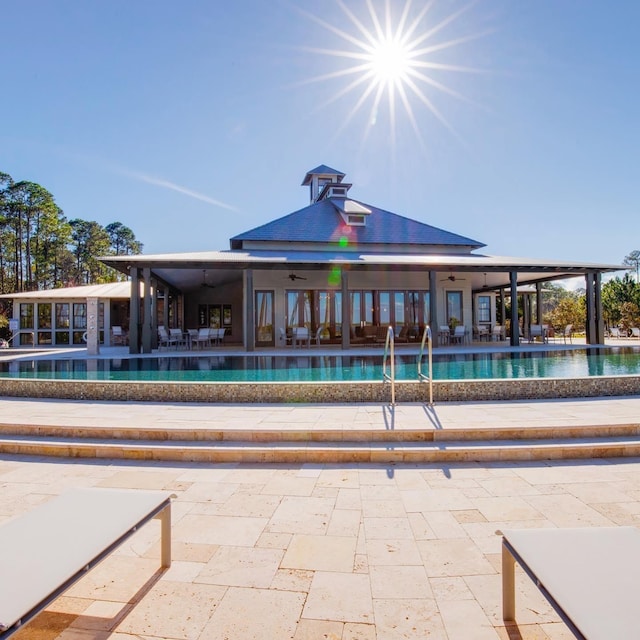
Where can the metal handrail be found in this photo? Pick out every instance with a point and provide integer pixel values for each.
(426, 337)
(389, 350)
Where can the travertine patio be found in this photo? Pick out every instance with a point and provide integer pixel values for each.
(312, 551)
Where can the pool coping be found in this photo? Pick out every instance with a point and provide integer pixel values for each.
(322, 392)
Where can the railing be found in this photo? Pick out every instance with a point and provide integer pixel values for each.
(389, 351)
(426, 338)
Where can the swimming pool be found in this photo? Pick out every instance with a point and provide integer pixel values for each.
(547, 364)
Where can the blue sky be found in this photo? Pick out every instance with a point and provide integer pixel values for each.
(192, 122)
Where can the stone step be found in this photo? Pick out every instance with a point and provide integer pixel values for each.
(321, 452)
(336, 433)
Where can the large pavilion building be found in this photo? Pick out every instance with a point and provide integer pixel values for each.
(339, 267)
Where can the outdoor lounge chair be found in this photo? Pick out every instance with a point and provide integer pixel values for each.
(635, 332)
(614, 332)
(48, 549)
(588, 575)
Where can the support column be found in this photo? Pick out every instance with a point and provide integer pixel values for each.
(503, 308)
(93, 330)
(599, 313)
(134, 312)
(146, 310)
(433, 304)
(154, 315)
(346, 309)
(526, 314)
(515, 327)
(590, 325)
(249, 319)
(539, 319)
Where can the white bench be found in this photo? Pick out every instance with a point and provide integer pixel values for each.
(589, 576)
(46, 550)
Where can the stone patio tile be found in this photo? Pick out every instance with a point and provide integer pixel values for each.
(117, 578)
(241, 567)
(348, 499)
(101, 615)
(435, 500)
(383, 508)
(506, 509)
(274, 540)
(181, 571)
(444, 525)
(208, 492)
(380, 492)
(453, 557)
(173, 610)
(184, 551)
(340, 477)
(408, 619)
(567, 511)
(403, 582)
(301, 515)
(598, 492)
(320, 553)
(254, 614)
(344, 522)
(344, 597)
(319, 630)
(283, 485)
(420, 527)
(292, 580)
(355, 631)
(514, 486)
(139, 479)
(244, 504)
(450, 588)
(223, 530)
(387, 528)
(464, 619)
(388, 552)
(470, 515)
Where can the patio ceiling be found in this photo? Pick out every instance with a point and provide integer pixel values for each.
(186, 271)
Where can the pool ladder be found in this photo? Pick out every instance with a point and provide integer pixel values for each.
(389, 356)
(428, 339)
(389, 352)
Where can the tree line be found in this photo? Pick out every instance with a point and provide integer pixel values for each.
(41, 249)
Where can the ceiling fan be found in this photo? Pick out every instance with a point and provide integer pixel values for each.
(293, 277)
(204, 282)
(452, 278)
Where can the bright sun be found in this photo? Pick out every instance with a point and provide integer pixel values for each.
(395, 57)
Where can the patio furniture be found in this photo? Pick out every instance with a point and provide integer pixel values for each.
(614, 332)
(318, 335)
(285, 337)
(459, 335)
(217, 335)
(202, 339)
(164, 340)
(482, 332)
(635, 332)
(497, 334)
(119, 336)
(48, 549)
(301, 335)
(537, 331)
(568, 333)
(177, 337)
(444, 334)
(588, 575)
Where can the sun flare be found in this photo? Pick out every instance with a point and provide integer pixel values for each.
(390, 55)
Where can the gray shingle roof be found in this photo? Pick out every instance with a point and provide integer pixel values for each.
(321, 170)
(321, 222)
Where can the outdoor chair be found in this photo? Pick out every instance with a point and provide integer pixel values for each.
(285, 337)
(444, 334)
(318, 335)
(177, 338)
(568, 333)
(614, 332)
(497, 334)
(118, 336)
(164, 340)
(202, 339)
(301, 335)
(537, 331)
(459, 334)
(635, 332)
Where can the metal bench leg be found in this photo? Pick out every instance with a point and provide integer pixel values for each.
(508, 585)
(165, 536)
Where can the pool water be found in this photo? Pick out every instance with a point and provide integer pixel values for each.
(597, 361)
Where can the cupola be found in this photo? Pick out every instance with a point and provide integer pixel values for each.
(325, 182)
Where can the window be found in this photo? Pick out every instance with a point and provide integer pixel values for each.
(356, 220)
(264, 318)
(79, 315)
(26, 315)
(454, 307)
(484, 309)
(44, 315)
(62, 315)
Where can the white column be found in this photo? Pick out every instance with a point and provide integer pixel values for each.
(93, 331)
